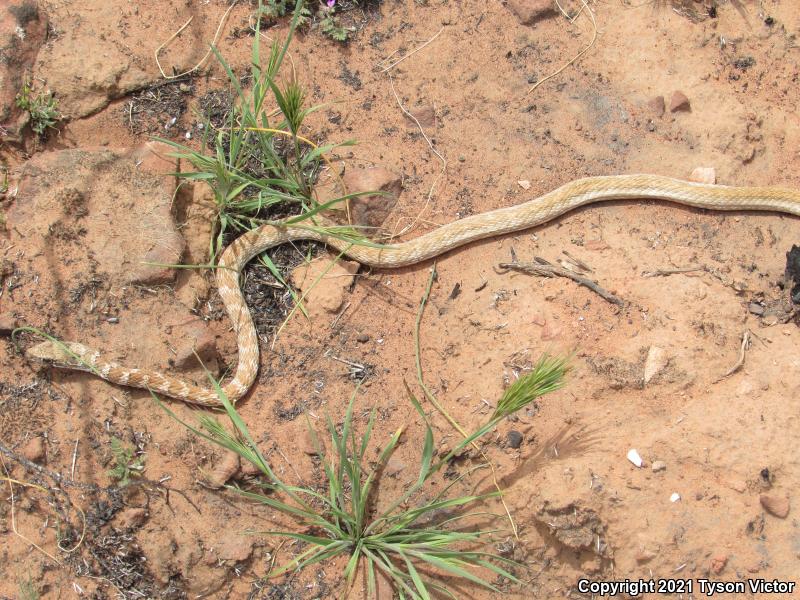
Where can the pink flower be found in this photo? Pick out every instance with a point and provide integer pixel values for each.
(331, 3)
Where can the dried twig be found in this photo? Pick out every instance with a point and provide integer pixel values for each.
(548, 270)
(716, 273)
(746, 340)
(667, 272)
(405, 56)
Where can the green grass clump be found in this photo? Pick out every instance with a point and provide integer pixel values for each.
(420, 537)
(547, 375)
(42, 108)
(126, 467)
(258, 165)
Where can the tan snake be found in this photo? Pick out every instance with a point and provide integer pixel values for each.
(447, 237)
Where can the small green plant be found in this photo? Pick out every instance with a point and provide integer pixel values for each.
(41, 107)
(28, 591)
(417, 538)
(329, 23)
(126, 467)
(259, 165)
(277, 8)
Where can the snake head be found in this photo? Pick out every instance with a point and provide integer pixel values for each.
(65, 354)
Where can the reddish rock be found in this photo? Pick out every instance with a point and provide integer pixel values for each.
(226, 468)
(424, 115)
(92, 63)
(679, 101)
(234, 547)
(66, 198)
(718, 564)
(325, 286)
(311, 446)
(372, 210)
(199, 341)
(596, 245)
(394, 466)
(656, 106)
(23, 28)
(530, 11)
(777, 506)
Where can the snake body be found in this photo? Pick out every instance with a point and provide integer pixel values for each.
(443, 239)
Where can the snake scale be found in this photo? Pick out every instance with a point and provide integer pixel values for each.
(447, 237)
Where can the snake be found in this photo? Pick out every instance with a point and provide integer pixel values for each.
(579, 192)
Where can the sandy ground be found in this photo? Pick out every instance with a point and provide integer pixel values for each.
(719, 465)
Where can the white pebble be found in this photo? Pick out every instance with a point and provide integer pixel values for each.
(675, 497)
(634, 457)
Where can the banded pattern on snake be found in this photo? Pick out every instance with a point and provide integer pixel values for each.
(443, 239)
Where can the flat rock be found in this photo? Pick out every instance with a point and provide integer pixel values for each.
(234, 547)
(394, 466)
(424, 115)
(777, 506)
(23, 28)
(656, 106)
(111, 208)
(325, 286)
(704, 175)
(308, 445)
(200, 342)
(530, 11)
(92, 64)
(679, 101)
(371, 210)
(226, 467)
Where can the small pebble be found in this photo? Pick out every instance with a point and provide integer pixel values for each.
(679, 101)
(112, 320)
(658, 466)
(674, 497)
(514, 439)
(718, 563)
(775, 505)
(704, 175)
(656, 106)
(362, 338)
(634, 457)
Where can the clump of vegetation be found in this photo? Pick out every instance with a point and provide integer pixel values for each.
(420, 536)
(258, 165)
(42, 108)
(329, 23)
(279, 8)
(28, 591)
(127, 465)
